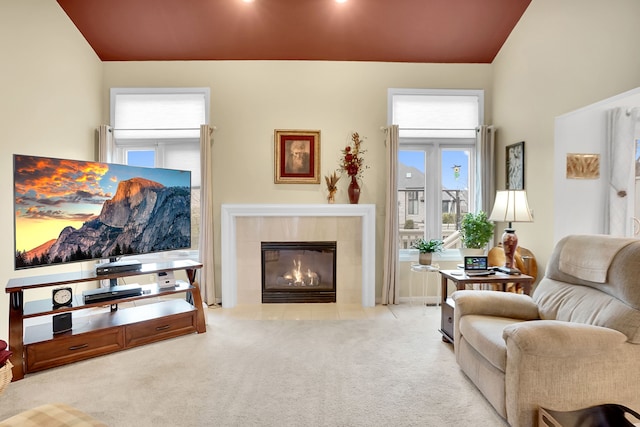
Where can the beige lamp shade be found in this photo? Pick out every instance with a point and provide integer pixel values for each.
(511, 206)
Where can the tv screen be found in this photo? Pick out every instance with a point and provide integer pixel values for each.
(71, 210)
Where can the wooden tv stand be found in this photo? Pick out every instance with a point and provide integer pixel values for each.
(36, 348)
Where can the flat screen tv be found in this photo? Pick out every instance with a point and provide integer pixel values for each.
(71, 210)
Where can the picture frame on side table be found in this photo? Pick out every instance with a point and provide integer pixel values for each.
(514, 167)
(297, 156)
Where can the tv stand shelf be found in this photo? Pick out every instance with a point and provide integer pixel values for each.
(105, 326)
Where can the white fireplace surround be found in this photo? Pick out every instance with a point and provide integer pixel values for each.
(230, 212)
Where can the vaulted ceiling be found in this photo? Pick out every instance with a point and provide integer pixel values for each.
(435, 31)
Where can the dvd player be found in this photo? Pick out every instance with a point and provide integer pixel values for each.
(118, 267)
(113, 292)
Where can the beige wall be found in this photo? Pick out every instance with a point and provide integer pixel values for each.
(249, 99)
(51, 101)
(561, 56)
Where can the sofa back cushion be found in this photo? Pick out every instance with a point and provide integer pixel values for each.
(614, 303)
(575, 303)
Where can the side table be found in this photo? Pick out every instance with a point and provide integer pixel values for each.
(422, 269)
(461, 280)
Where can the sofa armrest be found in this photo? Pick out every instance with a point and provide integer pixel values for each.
(558, 339)
(495, 303)
(566, 366)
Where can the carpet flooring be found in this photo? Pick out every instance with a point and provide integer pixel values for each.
(387, 371)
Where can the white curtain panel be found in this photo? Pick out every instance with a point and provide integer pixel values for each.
(485, 168)
(621, 126)
(390, 286)
(105, 143)
(207, 283)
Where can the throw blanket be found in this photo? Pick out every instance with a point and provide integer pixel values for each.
(52, 415)
(584, 260)
(4, 353)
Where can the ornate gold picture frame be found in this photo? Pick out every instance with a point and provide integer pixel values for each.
(297, 156)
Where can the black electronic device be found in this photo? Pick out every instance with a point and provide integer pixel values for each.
(507, 270)
(116, 267)
(126, 211)
(111, 293)
(62, 323)
(61, 297)
(477, 266)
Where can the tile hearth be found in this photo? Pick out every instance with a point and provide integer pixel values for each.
(329, 311)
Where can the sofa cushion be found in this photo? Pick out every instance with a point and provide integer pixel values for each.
(584, 260)
(484, 334)
(622, 275)
(575, 303)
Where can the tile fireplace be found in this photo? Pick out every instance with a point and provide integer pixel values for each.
(244, 227)
(298, 272)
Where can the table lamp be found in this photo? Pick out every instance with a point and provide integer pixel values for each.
(510, 206)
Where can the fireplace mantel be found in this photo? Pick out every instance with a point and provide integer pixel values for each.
(229, 213)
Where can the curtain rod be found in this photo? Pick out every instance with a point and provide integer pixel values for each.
(158, 129)
(631, 110)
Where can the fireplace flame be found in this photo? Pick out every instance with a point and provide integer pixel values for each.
(296, 271)
(296, 277)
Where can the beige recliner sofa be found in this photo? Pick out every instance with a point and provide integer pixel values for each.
(575, 343)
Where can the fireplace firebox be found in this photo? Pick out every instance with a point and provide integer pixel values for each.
(298, 272)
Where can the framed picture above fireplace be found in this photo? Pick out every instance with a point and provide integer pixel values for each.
(297, 156)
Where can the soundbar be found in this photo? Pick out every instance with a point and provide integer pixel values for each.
(113, 292)
(118, 267)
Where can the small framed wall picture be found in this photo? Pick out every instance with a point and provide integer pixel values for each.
(514, 167)
(583, 166)
(297, 156)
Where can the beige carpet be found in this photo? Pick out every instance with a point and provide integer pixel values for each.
(389, 371)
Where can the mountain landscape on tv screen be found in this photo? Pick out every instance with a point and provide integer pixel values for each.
(143, 216)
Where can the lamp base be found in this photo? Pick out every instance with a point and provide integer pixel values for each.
(509, 245)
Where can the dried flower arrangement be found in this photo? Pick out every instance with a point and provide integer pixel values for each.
(332, 185)
(352, 161)
(332, 181)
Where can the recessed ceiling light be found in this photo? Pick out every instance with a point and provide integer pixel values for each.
(341, 1)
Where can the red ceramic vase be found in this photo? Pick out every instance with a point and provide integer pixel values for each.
(353, 191)
(509, 244)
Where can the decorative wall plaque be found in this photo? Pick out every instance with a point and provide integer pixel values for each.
(583, 166)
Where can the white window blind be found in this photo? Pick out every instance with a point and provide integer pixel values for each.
(158, 115)
(436, 116)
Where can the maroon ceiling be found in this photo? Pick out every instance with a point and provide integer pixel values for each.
(438, 31)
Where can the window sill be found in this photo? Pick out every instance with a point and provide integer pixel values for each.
(411, 255)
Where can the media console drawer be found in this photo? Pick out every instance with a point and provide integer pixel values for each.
(160, 329)
(66, 349)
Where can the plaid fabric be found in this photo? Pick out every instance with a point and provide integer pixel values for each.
(52, 415)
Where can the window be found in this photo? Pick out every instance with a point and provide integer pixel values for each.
(156, 127)
(412, 203)
(436, 158)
